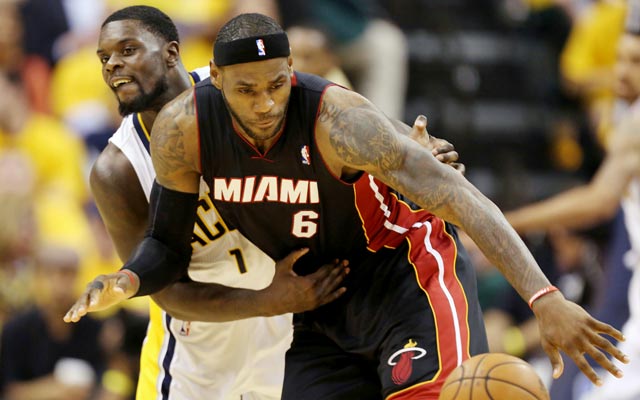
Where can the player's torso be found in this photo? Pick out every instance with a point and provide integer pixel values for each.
(289, 192)
(220, 254)
(286, 192)
(183, 359)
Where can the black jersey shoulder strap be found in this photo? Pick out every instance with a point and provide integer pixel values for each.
(208, 100)
(311, 82)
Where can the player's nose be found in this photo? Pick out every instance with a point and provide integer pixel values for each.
(113, 62)
(263, 103)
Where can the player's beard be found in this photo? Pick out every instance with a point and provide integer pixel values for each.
(145, 101)
(248, 131)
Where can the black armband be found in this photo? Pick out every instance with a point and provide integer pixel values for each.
(165, 253)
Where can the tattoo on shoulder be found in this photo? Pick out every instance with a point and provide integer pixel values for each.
(190, 106)
(328, 112)
(360, 138)
(168, 141)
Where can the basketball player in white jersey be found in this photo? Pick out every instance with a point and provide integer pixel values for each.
(181, 359)
(616, 181)
(240, 352)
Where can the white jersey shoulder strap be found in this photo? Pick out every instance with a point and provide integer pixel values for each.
(133, 141)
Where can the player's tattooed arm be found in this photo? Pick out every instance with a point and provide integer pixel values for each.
(174, 145)
(355, 136)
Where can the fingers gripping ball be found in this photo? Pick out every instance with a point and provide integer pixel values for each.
(494, 376)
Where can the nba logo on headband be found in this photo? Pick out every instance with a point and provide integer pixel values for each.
(260, 45)
(240, 51)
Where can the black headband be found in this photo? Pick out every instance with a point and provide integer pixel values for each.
(255, 48)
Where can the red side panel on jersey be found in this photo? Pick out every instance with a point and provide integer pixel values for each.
(386, 220)
(433, 254)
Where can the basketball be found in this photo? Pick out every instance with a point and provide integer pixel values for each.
(494, 376)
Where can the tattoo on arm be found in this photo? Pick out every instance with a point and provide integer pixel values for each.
(168, 145)
(328, 112)
(363, 139)
(170, 159)
(190, 107)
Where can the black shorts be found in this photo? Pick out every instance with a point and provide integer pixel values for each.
(409, 317)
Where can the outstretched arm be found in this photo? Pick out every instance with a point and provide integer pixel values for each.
(288, 293)
(354, 136)
(592, 203)
(164, 253)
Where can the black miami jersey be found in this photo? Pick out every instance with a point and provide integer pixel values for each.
(287, 198)
(404, 321)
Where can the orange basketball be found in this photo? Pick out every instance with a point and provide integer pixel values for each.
(494, 376)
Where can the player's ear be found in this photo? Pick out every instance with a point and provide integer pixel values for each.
(173, 53)
(290, 62)
(214, 74)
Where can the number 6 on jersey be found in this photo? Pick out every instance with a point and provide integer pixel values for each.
(303, 224)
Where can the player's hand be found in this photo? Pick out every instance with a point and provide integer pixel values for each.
(566, 326)
(440, 148)
(292, 293)
(103, 292)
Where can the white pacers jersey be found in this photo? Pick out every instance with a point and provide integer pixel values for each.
(627, 388)
(184, 360)
(631, 206)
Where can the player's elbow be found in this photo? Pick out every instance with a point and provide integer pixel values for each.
(167, 300)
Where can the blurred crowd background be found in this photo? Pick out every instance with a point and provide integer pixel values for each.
(522, 88)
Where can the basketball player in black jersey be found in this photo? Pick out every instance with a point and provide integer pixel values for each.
(294, 161)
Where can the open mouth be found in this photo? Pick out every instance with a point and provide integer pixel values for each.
(117, 82)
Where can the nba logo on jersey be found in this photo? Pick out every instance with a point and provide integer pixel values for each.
(185, 329)
(260, 45)
(304, 152)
